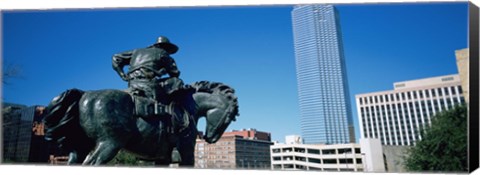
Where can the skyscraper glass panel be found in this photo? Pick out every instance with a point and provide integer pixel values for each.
(321, 75)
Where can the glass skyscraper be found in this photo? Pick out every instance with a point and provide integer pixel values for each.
(321, 75)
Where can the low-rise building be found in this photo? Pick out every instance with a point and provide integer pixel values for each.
(244, 149)
(335, 157)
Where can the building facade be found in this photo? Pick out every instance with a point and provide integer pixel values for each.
(321, 75)
(23, 137)
(245, 149)
(463, 65)
(334, 157)
(397, 116)
(250, 134)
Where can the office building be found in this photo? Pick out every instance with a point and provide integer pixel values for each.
(397, 116)
(250, 134)
(462, 58)
(23, 137)
(244, 149)
(321, 75)
(366, 156)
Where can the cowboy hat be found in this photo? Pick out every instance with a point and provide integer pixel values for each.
(164, 42)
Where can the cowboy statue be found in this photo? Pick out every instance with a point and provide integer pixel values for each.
(154, 94)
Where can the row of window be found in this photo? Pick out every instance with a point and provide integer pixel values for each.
(291, 166)
(318, 151)
(411, 95)
(320, 161)
(393, 118)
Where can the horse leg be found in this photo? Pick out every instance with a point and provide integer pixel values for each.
(187, 156)
(186, 147)
(76, 157)
(163, 162)
(167, 160)
(103, 153)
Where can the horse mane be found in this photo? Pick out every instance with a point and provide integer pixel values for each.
(219, 88)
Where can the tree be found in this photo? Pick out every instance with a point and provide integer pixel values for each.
(11, 71)
(443, 146)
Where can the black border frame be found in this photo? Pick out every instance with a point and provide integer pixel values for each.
(473, 120)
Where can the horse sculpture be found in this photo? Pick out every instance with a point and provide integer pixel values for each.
(94, 125)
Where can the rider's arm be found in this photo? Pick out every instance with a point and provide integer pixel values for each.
(119, 61)
(171, 68)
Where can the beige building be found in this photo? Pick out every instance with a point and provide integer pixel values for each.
(397, 116)
(244, 149)
(462, 57)
(366, 156)
(393, 156)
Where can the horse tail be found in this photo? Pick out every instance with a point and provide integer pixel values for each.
(221, 89)
(62, 118)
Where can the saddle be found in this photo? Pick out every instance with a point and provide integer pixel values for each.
(147, 107)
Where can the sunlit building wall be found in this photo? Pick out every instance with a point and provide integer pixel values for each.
(366, 156)
(397, 116)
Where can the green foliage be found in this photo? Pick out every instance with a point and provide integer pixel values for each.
(124, 158)
(443, 146)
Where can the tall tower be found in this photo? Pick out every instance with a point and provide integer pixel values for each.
(321, 75)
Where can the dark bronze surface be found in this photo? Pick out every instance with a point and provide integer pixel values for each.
(156, 116)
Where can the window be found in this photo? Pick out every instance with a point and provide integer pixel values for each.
(330, 161)
(313, 151)
(453, 90)
(313, 160)
(343, 161)
(328, 151)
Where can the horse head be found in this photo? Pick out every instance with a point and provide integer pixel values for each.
(216, 126)
(220, 107)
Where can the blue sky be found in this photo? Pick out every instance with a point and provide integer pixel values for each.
(249, 48)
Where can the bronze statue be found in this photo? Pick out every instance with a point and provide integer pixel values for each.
(94, 125)
(147, 66)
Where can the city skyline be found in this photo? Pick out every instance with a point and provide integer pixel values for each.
(325, 114)
(249, 48)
